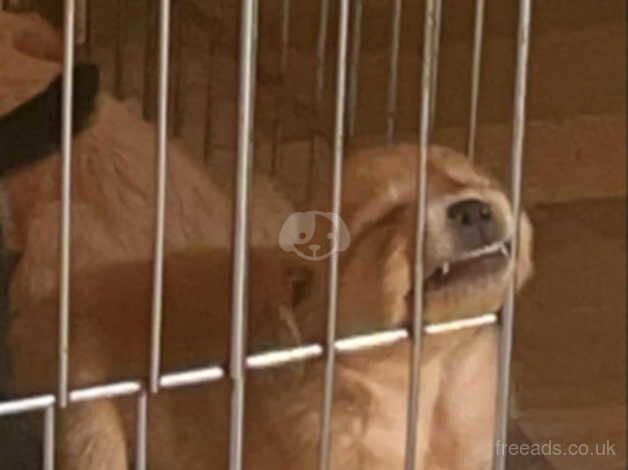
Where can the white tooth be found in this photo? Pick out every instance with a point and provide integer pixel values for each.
(445, 269)
(503, 250)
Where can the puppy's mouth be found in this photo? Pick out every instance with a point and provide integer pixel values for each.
(471, 266)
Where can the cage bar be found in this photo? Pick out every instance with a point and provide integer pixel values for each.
(48, 451)
(192, 377)
(113, 390)
(391, 110)
(438, 19)
(283, 356)
(476, 66)
(141, 430)
(25, 405)
(160, 200)
(456, 325)
(265, 360)
(355, 64)
(508, 312)
(332, 307)
(248, 51)
(66, 203)
(369, 341)
(417, 306)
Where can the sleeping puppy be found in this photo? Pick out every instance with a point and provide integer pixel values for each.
(467, 269)
(470, 224)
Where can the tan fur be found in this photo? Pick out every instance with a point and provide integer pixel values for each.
(113, 181)
(189, 427)
(458, 369)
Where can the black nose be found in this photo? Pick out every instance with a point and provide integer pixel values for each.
(473, 222)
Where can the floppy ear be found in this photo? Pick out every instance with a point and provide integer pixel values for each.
(39, 40)
(376, 270)
(525, 266)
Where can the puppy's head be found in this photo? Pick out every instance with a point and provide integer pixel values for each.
(469, 233)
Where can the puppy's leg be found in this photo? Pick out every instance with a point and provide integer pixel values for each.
(92, 438)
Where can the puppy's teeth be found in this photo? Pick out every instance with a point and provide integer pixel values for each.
(445, 269)
(503, 250)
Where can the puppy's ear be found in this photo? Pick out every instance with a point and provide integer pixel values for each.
(525, 266)
(376, 270)
(32, 131)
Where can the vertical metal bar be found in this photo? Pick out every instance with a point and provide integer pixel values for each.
(508, 312)
(332, 306)
(160, 202)
(394, 72)
(417, 307)
(142, 431)
(66, 196)
(438, 19)
(475, 76)
(283, 70)
(248, 49)
(355, 64)
(319, 88)
(49, 439)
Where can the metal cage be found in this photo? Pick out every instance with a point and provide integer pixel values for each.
(344, 123)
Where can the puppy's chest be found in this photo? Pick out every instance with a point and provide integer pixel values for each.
(385, 378)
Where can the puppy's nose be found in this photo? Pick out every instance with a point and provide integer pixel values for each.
(473, 221)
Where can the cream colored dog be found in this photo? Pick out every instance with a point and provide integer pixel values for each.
(469, 229)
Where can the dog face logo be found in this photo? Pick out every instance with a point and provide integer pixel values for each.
(298, 230)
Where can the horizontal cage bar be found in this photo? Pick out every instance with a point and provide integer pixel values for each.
(265, 360)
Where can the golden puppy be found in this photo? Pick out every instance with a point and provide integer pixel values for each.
(467, 271)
